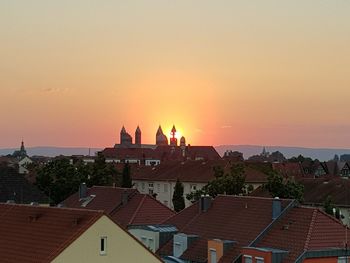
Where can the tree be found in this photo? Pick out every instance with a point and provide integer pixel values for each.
(178, 196)
(126, 178)
(328, 205)
(230, 183)
(300, 159)
(101, 173)
(278, 187)
(59, 178)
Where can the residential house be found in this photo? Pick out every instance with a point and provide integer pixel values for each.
(124, 205)
(14, 188)
(316, 192)
(46, 234)
(314, 169)
(23, 165)
(288, 169)
(249, 229)
(344, 169)
(194, 175)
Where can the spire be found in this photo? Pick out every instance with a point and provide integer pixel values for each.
(160, 131)
(22, 147)
(173, 140)
(138, 136)
(123, 130)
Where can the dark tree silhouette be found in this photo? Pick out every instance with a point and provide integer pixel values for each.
(178, 196)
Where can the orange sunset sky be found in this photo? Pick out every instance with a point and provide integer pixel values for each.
(224, 72)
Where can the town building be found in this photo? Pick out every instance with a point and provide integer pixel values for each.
(48, 234)
(194, 175)
(15, 188)
(123, 205)
(154, 154)
(249, 229)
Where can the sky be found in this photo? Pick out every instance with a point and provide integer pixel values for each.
(72, 73)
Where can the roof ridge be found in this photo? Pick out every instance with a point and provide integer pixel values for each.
(120, 205)
(54, 207)
(74, 236)
(331, 217)
(182, 211)
(311, 227)
(137, 209)
(160, 203)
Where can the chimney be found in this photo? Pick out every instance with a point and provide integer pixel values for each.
(82, 191)
(125, 197)
(204, 203)
(276, 207)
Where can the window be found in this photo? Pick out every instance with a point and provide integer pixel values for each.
(247, 259)
(213, 258)
(103, 246)
(193, 187)
(158, 188)
(150, 243)
(144, 240)
(165, 188)
(165, 202)
(177, 249)
(259, 260)
(143, 186)
(342, 260)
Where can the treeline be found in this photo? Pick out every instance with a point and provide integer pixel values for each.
(59, 178)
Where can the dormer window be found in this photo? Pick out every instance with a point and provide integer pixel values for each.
(259, 260)
(213, 256)
(247, 259)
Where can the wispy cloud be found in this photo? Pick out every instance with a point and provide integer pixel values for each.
(226, 126)
(54, 89)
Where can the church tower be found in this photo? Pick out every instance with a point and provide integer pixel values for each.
(173, 140)
(125, 138)
(138, 136)
(161, 139)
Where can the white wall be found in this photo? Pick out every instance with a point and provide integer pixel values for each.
(165, 190)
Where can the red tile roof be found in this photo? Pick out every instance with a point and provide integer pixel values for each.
(163, 153)
(288, 169)
(39, 234)
(317, 190)
(140, 208)
(304, 229)
(191, 171)
(234, 218)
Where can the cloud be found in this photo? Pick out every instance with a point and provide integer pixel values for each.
(54, 89)
(226, 127)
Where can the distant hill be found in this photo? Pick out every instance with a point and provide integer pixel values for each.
(323, 154)
(53, 151)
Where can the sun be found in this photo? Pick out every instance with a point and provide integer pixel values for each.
(178, 133)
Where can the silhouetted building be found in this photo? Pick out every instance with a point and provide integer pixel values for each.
(138, 136)
(161, 139)
(173, 139)
(20, 154)
(125, 138)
